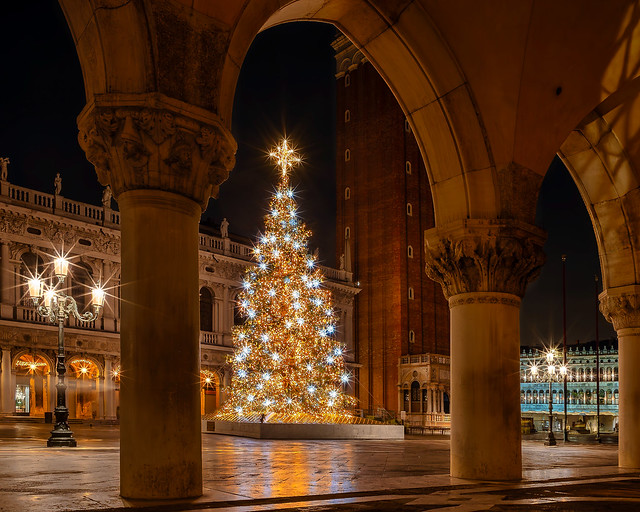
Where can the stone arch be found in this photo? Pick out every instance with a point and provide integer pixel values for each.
(419, 68)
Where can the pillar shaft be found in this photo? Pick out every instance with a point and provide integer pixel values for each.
(485, 414)
(109, 391)
(160, 440)
(8, 404)
(621, 306)
(484, 266)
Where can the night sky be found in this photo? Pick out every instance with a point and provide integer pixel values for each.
(286, 87)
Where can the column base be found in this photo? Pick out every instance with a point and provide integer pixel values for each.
(61, 438)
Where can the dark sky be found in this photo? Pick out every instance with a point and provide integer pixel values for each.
(286, 87)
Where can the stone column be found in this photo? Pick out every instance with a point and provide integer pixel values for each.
(100, 382)
(621, 306)
(8, 402)
(484, 267)
(108, 312)
(164, 159)
(7, 282)
(109, 391)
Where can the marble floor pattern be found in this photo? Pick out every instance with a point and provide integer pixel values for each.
(246, 475)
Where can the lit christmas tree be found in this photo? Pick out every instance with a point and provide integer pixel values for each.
(286, 359)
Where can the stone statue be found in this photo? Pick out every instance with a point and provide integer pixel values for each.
(224, 228)
(106, 197)
(3, 165)
(342, 261)
(57, 184)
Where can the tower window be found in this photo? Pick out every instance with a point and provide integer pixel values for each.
(407, 167)
(410, 251)
(347, 155)
(347, 80)
(407, 127)
(411, 294)
(347, 116)
(409, 209)
(347, 193)
(412, 337)
(347, 232)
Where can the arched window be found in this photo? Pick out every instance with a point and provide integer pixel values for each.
(82, 284)
(347, 80)
(412, 337)
(347, 116)
(411, 294)
(410, 251)
(206, 310)
(238, 317)
(347, 193)
(409, 209)
(347, 155)
(407, 167)
(415, 396)
(347, 232)
(407, 126)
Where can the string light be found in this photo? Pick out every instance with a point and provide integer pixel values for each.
(294, 366)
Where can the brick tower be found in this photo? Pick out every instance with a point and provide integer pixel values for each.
(383, 207)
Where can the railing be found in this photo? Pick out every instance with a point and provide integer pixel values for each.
(44, 201)
(558, 408)
(424, 358)
(210, 338)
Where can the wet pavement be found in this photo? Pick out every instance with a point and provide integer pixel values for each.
(250, 474)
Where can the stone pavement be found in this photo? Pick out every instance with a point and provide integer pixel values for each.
(246, 474)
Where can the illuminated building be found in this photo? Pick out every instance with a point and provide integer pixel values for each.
(581, 388)
(32, 224)
(384, 206)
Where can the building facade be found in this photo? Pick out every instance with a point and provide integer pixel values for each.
(384, 206)
(581, 389)
(33, 226)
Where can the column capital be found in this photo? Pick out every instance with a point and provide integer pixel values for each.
(484, 255)
(151, 141)
(621, 306)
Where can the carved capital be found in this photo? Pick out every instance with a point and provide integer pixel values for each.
(484, 255)
(621, 306)
(152, 141)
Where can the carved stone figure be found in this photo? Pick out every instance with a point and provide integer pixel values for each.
(224, 228)
(3, 166)
(106, 197)
(342, 261)
(57, 184)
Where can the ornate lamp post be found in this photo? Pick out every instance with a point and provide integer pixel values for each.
(56, 306)
(549, 368)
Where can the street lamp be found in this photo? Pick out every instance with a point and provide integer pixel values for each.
(549, 368)
(56, 306)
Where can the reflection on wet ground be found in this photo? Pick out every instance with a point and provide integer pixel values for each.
(249, 474)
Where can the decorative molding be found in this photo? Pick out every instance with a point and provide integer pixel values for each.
(482, 255)
(473, 298)
(621, 306)
(151, 141)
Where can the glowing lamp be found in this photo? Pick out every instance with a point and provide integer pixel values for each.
(550, 355)
(534, 370)
(208, 380)
(33, 366)
(49, 295)
(60, 268)
(35, 289)
(84, 369)
(97, 297)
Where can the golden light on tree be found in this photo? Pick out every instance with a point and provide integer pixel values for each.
(286, 360)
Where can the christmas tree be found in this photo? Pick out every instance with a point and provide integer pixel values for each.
(286, 360)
